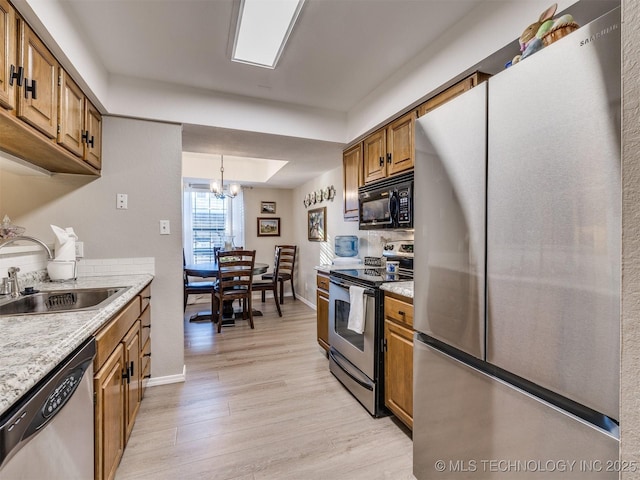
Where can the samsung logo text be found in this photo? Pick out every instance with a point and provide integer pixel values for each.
(598, 35)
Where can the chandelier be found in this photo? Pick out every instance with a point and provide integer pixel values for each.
(219, 190)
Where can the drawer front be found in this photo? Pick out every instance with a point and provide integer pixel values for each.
(399, 311)
(145, 297)
(145, 325)
(110, 336)
(323, 282)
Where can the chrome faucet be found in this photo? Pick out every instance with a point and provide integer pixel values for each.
(13, 282)
(9, 241)
(13, 271)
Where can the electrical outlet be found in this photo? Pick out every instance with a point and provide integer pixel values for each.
(121, 201)
(79, 249)
(165, 227)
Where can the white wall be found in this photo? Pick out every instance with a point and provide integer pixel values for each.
(485, 30)
(143, 160)
(630, 366)
(265, 246)
(313, 253)
(139, 98)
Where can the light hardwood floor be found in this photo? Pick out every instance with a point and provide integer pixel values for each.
(261, 404)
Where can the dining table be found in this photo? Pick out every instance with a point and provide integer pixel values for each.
(210, 270)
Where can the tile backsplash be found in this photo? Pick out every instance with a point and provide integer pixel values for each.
(31, 264)
(116, 266)
(27, 262)
(374, 240)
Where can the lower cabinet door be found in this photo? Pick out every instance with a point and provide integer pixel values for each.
(131, 343)
(322, 312)
(109, 415)
(398, 371)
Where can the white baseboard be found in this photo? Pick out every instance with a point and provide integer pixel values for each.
(306, 302)
(298, 297)
(167, 379)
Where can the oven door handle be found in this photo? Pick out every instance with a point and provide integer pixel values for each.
(349, 374)
(346, 286)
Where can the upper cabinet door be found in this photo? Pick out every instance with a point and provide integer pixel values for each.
(38, 99)
(72, 105)
(401, 144)
(352, 174)
(390, 150)
(7, 54)
(80, 129)
(375, 153)
(93, 143)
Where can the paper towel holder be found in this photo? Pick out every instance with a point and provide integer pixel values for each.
(62, 270)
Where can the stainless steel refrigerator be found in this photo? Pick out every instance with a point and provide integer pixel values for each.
(517, 278)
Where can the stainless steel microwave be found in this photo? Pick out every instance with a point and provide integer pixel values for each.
(387, 203)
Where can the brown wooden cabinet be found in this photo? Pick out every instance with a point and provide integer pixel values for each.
(37, 106)
(452, 92)
(109, 414)
(118, 382)
(390, 150)
(8, 41)
(398, 356)
(80, 123)
(352, 176)
(93, 143)
(131, 343)
(322, 309)
(374, 153)
(38, 95)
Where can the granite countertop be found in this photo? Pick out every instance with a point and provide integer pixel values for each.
(399, 288)
(32, 345)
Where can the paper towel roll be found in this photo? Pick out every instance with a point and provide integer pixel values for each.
(65, 246)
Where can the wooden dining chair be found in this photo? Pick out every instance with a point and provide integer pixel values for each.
(270, 284)
(285, 263)
(234, 279)
(193, 288)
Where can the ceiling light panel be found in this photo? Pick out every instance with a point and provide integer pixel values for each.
(263, 29)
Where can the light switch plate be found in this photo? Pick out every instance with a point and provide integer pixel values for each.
(165, 227)
(121, 201)
(79, 249)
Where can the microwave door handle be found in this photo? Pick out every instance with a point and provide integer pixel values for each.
(393, 207)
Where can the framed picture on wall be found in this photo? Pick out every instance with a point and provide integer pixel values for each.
(317, 224)
(268, 208)
(268, 227)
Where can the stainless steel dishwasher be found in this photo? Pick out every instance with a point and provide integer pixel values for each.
(48, 433)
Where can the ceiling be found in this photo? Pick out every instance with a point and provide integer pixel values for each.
(338, 52)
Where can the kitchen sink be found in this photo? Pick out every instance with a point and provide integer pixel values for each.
(58, 301)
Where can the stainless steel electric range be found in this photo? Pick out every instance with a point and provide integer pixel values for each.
(356, 359)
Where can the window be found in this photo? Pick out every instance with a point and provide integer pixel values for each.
(209, 222)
